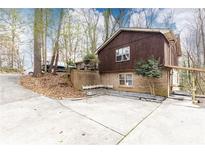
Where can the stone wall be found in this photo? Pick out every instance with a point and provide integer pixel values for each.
(140, 84)
(81, 78)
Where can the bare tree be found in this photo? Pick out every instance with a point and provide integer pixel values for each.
(46, 23)
(107, 17)
(150, 16)
(55, 56)
(168, 19)
(193, 45)
(137, 18)
(121, 19)
(91, 18)
(201, 16)
(12, 27)
(71, 36)
(196, 36)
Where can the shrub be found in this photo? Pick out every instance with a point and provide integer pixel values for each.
(149, 68)
(70, 63)
(90, 57)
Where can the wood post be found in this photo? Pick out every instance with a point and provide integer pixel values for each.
(193, 88)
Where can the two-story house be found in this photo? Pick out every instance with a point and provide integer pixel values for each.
(119, 54)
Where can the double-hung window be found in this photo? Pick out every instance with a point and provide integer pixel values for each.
(123, 54)
(125, 79)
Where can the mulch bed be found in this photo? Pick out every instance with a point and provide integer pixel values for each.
(55, 86)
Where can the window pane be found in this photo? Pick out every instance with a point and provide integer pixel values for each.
(122, 82)
(129, 82)
(128, 76)
(129, 79)
(117, 53)
(121, 51)
(123, 54)
(125, 79)
(127, 50)
(126, 53)
(122, 77)
(126, 57)
(119, 58)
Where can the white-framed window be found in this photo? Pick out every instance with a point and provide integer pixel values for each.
(126, 79)
(123, 54)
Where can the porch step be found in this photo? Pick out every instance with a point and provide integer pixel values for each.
(181, 93)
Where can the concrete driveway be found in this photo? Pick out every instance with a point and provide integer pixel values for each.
(29, 118)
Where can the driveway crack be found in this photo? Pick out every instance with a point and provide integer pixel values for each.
(138, 124)
(90, 119)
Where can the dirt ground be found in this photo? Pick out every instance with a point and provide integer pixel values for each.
(55, 86)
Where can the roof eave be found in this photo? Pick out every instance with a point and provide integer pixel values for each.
(136, 30)
(108, 40)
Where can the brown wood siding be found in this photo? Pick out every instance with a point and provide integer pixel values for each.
(174, 57)
(170, 54)
(142, 46)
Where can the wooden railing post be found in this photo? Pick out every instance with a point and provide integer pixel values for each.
(193, 88)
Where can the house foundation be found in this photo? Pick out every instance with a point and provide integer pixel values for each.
(140, 84)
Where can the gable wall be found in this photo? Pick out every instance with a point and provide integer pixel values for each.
(142, 46)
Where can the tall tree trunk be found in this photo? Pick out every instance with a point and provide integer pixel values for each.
(56, 61)
(15, 59)
(43, 43)
(44, 38)
(45, 54)
(57, 49)
(12, 49)
(107, 15)
(52, 58)
(202, 31)
(13, 15)
(55, 55)
(37, 41)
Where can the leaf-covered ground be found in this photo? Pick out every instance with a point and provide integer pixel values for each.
(54, 86)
